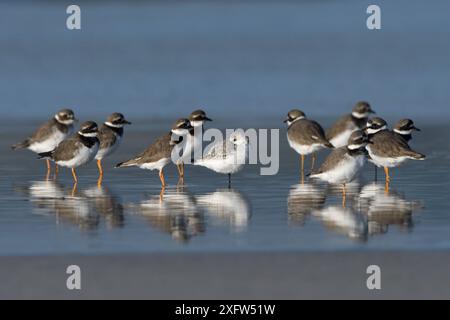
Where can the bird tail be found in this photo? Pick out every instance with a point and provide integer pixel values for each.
(22, 145)
(129, 163)
(416, 155)
(45, 155)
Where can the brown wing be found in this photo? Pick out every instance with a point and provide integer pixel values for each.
(44, 131)
(338, 127)
(107, 137)
(160, 148)
(66, 150)
(388, 144)
(332, 160)
(307, 132)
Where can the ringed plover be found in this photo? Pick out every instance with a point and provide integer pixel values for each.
(305, 136)
(110, 135)
(159, 153)
(76, 151)
(340, 132)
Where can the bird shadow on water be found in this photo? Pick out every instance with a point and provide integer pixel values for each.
(368, 209)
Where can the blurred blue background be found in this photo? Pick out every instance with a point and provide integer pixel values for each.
(234, 58)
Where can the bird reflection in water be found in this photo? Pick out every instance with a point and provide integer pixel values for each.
(76, 209)
(174, 212)
(352, 190)
(303, 199)
(226, 206)
(344, 220)
(387, 208)
(80, 207)
(107, 204)
(368, 210)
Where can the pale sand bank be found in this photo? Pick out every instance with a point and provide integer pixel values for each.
(230, 276)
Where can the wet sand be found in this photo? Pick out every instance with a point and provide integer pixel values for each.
(341, 275)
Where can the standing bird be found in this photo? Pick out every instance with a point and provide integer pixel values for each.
(305, 137)
(344, 163)
(110, 135)
(159, 153)
(76, 151)
(388, 149)
(194, 140)
(404, 128)
(340, 132)
(49, 135)
(228, 156)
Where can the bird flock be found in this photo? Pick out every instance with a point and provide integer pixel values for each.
(353, 140)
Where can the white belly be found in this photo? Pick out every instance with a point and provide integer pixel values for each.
(82, 157)
(385, 162)
(341, 140)
(304, 149)
(50, 144)
(157, 165)
(232, 163)
(345, 172)
(104, 152)
(224, 166)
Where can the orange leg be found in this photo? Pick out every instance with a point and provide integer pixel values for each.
(100, 168)
(74, 175)
(74, 189)
(180, 167)
(388, 177)
(161, 194)
(302, 167)
(161, 176)
(314, 158)
(56, 170)
(387, 188)
(49, 170)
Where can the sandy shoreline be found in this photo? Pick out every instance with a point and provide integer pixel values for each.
(303, 275)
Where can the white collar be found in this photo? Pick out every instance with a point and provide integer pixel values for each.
(65, 122)
(109, 124)
(88, 135)
(360, 115)
(373, 131)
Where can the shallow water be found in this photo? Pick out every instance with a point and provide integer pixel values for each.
(246, 63)
(128, 214)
